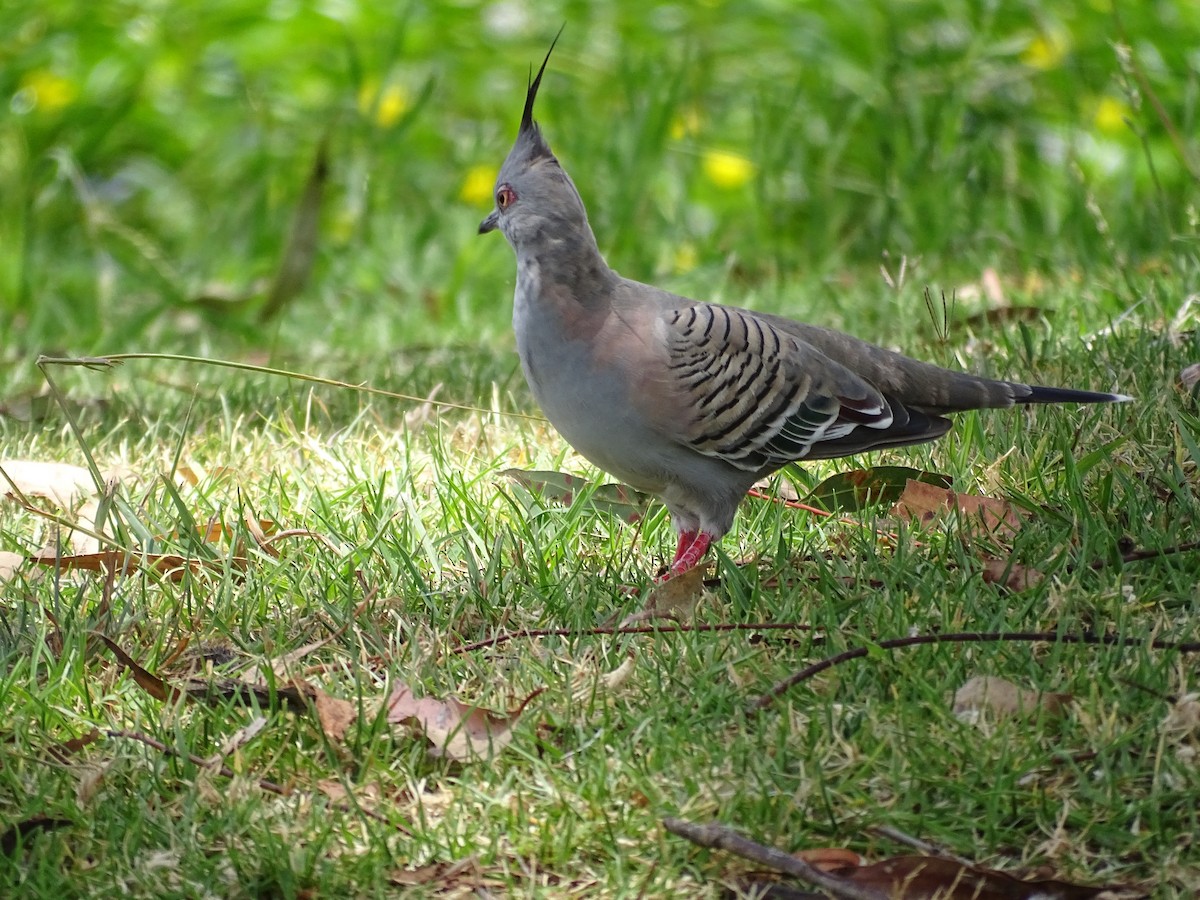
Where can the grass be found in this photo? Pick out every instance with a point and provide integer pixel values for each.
(165, 162)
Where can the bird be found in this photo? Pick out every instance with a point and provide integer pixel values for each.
(691, 401)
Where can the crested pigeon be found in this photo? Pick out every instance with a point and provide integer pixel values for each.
(693, 401)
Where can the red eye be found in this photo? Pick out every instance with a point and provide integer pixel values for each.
(505, 197)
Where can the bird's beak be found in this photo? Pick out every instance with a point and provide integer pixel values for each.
(490, 223)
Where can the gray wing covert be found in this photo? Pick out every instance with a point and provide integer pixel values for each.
(759, 398)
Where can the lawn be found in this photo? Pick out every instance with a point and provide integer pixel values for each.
(258, 223)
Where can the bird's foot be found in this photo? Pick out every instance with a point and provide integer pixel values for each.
(691, 549)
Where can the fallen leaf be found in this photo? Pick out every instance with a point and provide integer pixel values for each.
(558, 487)
(9, 563)
(214, 532)
(335, 715)
(987, 693)
(927, 502)
(449, 875)
(61, 483)
(337, 790)
(1011, 575)
(862, 488)
(194, 474)
(919, 877)
(149, 682)
(674, 598)
(63, 752)
(171, 565)
(457, 730)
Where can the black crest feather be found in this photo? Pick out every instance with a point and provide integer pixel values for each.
(527, 124)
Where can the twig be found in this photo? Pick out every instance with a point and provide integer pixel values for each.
(113, 359)
(1149, 553)
(965, 637)
(788, 504)
(718, 837)
(264, 784)
(499, 639)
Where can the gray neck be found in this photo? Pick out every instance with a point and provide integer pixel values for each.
(568, 263)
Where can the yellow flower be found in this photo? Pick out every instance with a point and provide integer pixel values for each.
(49, 92)
(686, 124)
(685, 258)
(477, 186)
(387, 105)
(1110, 115)
(726, 170)
(1047, 51)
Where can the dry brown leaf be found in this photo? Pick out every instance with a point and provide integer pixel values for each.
(987, 693)
(927, 502)
(457, 730)
(675, 598)
(9, 564)
(335, 715)
(194, 474)
(1011, 575)
(171, 565)
(451, 875)
(919, 877)
(149, 682)
(61, 483)
(64, 751)
(214, 532)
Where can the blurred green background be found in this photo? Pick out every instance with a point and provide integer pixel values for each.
(153, 156)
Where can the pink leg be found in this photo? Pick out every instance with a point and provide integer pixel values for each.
(692, 547)
(686, 539)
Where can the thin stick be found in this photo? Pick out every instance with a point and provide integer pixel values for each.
(965, 637)
(115, 359)
(1150, 553)
(499, 639)
(718, 837)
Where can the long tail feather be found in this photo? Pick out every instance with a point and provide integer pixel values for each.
(1038, 394)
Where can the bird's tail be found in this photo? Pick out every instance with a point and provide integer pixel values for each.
(1038, 394)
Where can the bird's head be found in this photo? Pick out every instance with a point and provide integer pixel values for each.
(535, 198)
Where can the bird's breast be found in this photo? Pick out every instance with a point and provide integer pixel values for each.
(584, 389)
